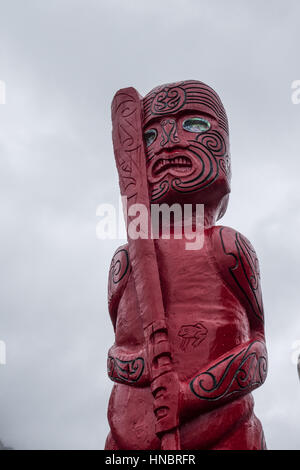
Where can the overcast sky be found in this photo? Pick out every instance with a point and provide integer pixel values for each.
(62, 62)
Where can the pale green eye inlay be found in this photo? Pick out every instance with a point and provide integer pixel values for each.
(150, 136)
(197, 125)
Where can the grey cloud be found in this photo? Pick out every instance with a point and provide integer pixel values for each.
(62, 62)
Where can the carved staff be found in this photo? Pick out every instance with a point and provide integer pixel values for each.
(131, 164)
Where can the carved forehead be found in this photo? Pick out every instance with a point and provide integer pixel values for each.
(190, 95)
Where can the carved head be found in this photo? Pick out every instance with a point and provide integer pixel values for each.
(187, 145)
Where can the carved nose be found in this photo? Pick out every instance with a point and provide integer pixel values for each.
(169, 134)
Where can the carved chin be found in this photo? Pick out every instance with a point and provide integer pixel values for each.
(181, 189)
(166, 189)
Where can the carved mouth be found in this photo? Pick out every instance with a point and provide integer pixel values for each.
(180, 164)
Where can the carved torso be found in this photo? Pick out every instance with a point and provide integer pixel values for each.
(207, 316)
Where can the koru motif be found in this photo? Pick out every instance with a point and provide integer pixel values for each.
(171, 98)
(168, 100)
(118, 275)
(119, 266)
(128, 372)
(236, 373)
(246, 272)
(192, 335)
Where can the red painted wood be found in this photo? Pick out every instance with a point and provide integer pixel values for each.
(189, 325)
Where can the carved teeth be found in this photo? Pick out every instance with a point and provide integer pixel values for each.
(182, 163)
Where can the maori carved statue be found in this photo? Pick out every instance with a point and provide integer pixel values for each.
(189, 324)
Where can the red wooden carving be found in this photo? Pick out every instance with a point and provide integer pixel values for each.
(189, 325)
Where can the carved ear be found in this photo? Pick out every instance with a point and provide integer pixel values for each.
(128, 141)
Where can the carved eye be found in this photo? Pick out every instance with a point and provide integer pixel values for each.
(150, 136)
(196, 125)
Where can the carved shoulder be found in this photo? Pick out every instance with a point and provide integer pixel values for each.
(238, 265)
(117, 279)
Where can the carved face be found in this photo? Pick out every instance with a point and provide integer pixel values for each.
(186, 142)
